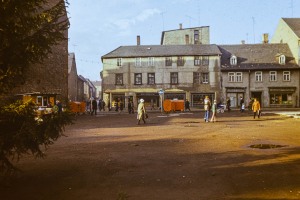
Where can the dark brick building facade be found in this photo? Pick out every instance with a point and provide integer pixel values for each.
(48, 81)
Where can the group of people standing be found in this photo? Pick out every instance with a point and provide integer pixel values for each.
(94, 104)
(254, 105)
(208, 106)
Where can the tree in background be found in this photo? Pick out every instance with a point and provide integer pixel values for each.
(28, 31)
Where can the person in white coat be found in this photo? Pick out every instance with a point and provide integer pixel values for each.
(141, 112)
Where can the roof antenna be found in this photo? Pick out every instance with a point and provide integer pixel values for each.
(253, 21)
(163, 21)
(292, 6)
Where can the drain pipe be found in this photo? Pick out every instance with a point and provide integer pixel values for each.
(249, 96)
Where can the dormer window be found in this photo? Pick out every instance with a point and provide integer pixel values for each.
(282, 59)
(233, 60)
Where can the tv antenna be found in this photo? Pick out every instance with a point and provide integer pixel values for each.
(163, 20)
(253, 22)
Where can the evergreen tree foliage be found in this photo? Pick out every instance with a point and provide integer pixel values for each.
(28, 31)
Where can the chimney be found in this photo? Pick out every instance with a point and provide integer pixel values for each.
(265, 38)
(180, 26)
(138, 40)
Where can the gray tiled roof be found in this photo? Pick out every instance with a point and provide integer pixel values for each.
(163, 50)
(294, 24)
(256, 56)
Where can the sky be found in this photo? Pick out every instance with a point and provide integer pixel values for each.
(98, 27)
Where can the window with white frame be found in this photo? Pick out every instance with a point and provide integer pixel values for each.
(151, 61)
(197, 61)
(231, 77)
(273, 76)
(239, 77)
(282, 59)
(138, 62)
(258, 76)
(286, 76)
(233, 60)
(205, 78)
(235, 77)
(119, 61)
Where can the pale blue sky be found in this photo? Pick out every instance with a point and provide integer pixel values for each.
(100, 26)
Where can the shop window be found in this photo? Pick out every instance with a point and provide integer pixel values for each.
(281, 99)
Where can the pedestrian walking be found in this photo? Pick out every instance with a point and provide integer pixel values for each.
(141, 112)
(207, 107)
(187, 105)
(228, 104)
(256, 108)
(214, 111)
(100, 105)
(130, 107)
(94, 107)
(241, 103)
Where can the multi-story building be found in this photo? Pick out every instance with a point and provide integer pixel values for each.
(98, 86)
(48, 81)
(267, 72)
(185, 66)
(195, 35)
(80, 88)
(72, 78)
(288, 31)
(181, 71)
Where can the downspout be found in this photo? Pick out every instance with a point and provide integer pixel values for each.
(249, 96)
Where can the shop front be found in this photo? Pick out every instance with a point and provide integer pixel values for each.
(198, 99)
(282, 96)
(234, 95)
